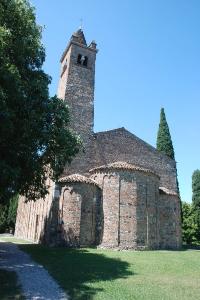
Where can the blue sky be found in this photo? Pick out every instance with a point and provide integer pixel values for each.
(148, 58)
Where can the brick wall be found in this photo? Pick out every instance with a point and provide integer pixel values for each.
(129, 213)
(76, 88)
(78, 206)
(130, 199)
(170, 222)
(121, 145)
(32, 216)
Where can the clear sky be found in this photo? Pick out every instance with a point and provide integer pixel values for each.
(148, 58)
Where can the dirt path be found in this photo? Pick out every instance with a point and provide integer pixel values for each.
(35, 281)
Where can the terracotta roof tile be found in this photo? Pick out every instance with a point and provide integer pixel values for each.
(121, 165)
(167, 191)
(77, 178)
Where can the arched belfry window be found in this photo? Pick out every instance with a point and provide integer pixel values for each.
(82, 60)
(79, 59)
(85, 61)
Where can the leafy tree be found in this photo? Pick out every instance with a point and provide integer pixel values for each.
(164, 141)
(12, 212)
(196, 188)
(196, 199)
(3, 217)
(189, 226)
(35, 139)
(8, 214)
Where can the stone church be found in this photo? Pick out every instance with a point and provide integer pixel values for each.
(119, 192)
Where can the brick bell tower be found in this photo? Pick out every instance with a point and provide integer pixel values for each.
(76, 84)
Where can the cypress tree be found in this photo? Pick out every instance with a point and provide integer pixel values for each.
(164, 141)
(196, 188)
(164, 145)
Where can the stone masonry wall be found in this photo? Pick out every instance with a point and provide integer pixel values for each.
(170, 221)
(32, 216)
(130, 200)
(78, 205)
(147, 213)
(76, 87)
(128, 207)
(120, 145)
(130, 212)
(111, 210)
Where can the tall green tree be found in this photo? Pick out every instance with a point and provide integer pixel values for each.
(35, 139)
(196, 199)
(3, 217)
(196, 188)
(164, 144)
(189, 226)
(164, 141)
(8, 212)
(12, 212)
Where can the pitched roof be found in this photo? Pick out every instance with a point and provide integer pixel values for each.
(77, 178)
(121, 165)
(123, 130)
(77, 37)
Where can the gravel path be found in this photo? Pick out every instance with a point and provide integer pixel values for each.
(35, 281)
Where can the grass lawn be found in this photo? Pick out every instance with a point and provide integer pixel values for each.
(12, 239)
(106, 275)
(9, 288)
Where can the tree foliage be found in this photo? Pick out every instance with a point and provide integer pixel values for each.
(34, 129)
(196, 188)
(191, 213)
(164, 144)
(12, 211)
(164, 141)
(196, 199)
(8, 213)
(3, 217)
(189, 226)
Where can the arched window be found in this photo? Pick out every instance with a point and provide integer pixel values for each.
(85, 61)
(79, 59)
(82, 60)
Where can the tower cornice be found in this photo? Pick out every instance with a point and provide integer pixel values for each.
(77, 44)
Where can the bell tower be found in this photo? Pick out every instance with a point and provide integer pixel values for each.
(76, 84)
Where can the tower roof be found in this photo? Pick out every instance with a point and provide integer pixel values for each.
(79, 36)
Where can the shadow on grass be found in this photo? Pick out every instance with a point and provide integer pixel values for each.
(78, 271)
(190, 247)
(9, 286)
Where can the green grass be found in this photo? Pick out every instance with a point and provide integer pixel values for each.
(113, 275)
(11, 239)
(9, 288)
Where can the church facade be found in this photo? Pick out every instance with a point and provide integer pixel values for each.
(119, 192)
